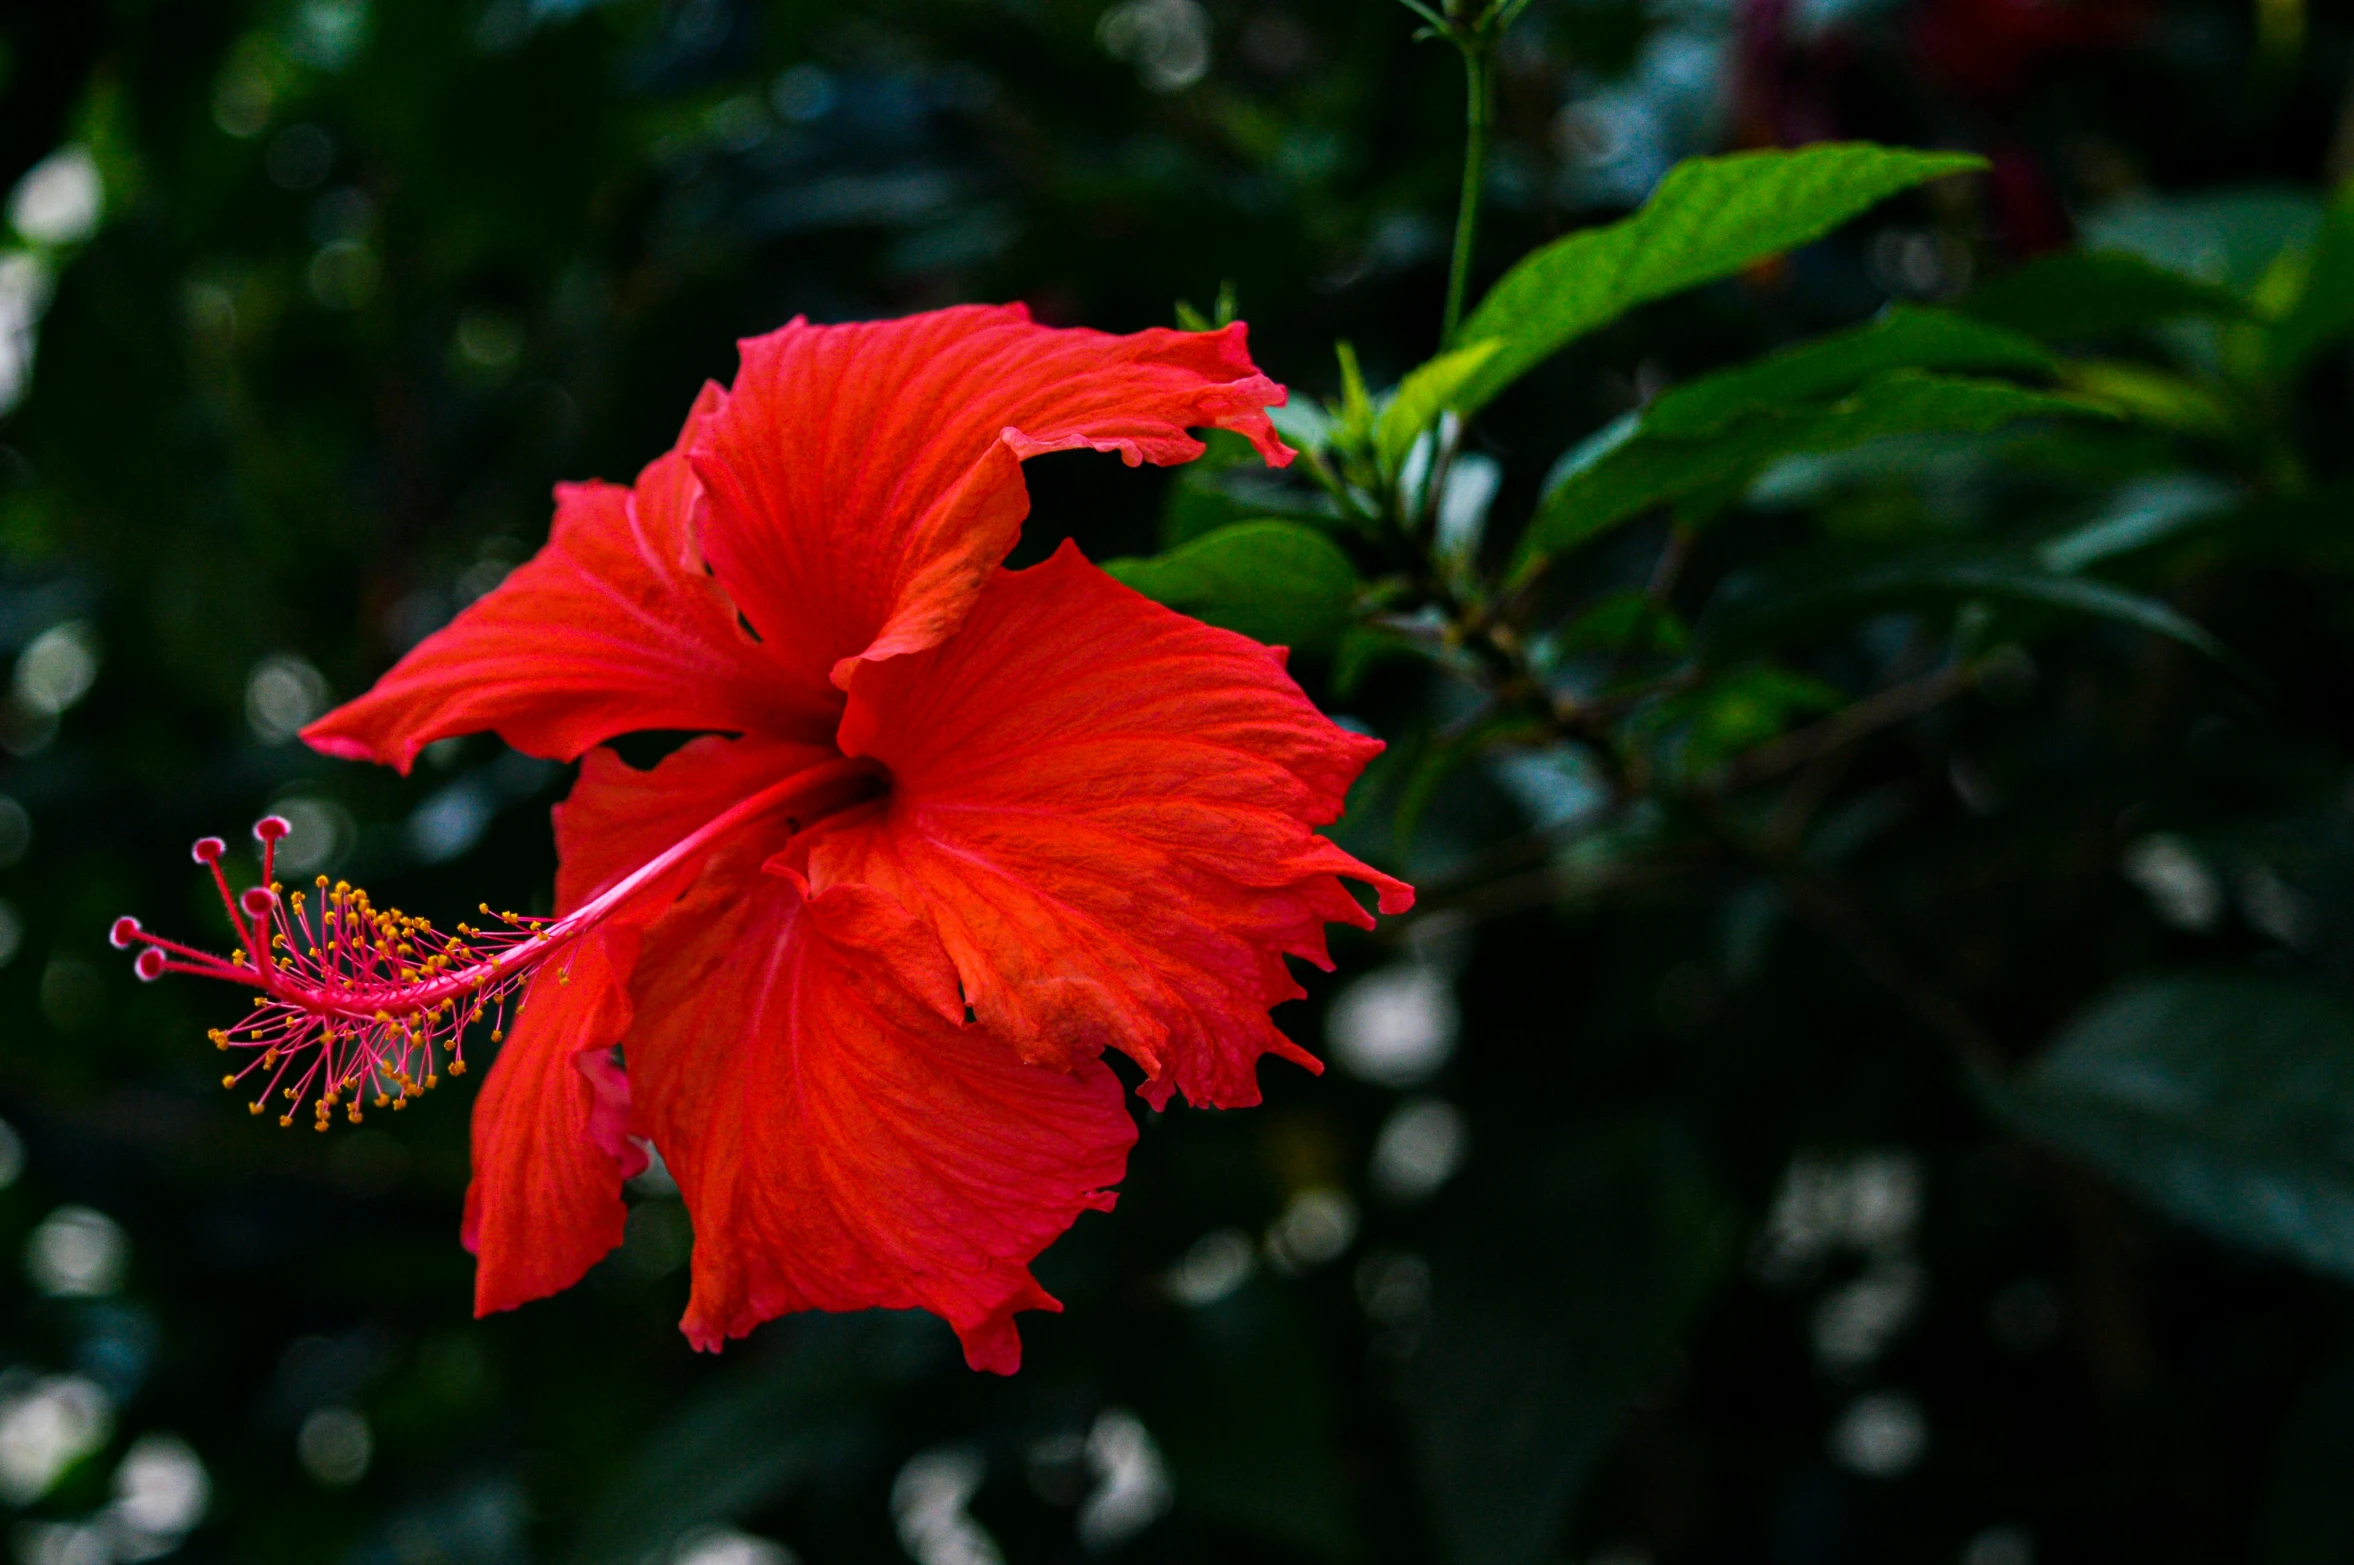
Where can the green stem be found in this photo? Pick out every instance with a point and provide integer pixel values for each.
(1476, 46)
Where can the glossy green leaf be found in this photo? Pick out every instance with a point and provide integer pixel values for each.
(2153, 395)
(2323, 314)
(1277, 582)
(1446, 754)
(1806, 598)
(2080, 294)
(1363, 648)
(1562, 1286)
(2225, 1099)
(1709, 218)
(1901, 337)
(1423, 395)
(1228, 483)
(2141, 515)
(1629, 470)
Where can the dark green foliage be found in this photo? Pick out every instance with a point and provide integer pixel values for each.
(2222, 1098)
(1276, 582)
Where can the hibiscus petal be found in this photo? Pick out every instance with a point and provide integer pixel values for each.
(842, 1138)
(1106, 811)
(618, 818)
(612, 628)
(865, 479)
(549, 1151)
(551, 1127)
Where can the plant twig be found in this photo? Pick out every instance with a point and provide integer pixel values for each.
(1846, 726)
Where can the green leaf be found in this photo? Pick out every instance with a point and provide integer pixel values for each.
(1352, 421)
(1302, 421)
(758, 1429)
(2225, 1099)
(2323, 313)
(1422, 396)
(1364, 648)
(2079, 294)
(1230, 483)
(1561, 1288)
(1901, 337)
(1628, 470)
(2153, 395)
(2229, 236)
(1621, 621)
(1242, 1397)
(1277, 582)
(1446, 754)
(2142, 513)
(1709, 218)
(1806, 599)
(1736, 711)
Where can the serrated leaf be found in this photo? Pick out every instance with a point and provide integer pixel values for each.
(2225, 1099)
(1901, 337)
(2080, 294)
(1274, 581)
(1709, 218)
(1633, 470)
(1429, 390)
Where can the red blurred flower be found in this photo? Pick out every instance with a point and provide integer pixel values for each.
(850, 958)
(1989, 48)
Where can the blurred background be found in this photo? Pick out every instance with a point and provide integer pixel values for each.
(1660, 1205)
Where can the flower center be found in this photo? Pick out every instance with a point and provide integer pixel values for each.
(357, 1001)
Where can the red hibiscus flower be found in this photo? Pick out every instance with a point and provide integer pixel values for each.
(851, 958)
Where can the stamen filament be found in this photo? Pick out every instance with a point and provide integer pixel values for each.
(352, 1000)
